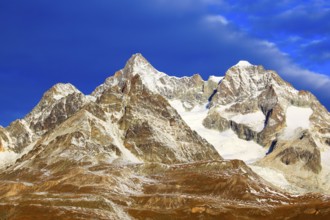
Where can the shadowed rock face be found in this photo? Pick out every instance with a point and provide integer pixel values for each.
(60, 112)
(299, 158)
(125, 153)
(303, 149)
(155, 132)
(3, 139)
(292, 155)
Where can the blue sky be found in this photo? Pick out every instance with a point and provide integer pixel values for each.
(44, 42)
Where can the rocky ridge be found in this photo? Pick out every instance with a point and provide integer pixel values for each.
(260, 106)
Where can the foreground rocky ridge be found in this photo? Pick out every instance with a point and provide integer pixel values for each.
(207, 190)
(124, 152)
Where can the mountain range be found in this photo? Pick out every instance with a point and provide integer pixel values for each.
(147, 145)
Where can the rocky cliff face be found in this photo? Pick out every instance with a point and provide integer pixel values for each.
(139, 147)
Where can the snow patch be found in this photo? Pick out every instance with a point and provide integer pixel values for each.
(9, 157)
(230, 146)
(255, 120)
(325, 158)
(296, 118)
(222, 108)
(90, 98)
(243, 63)
(276, 178)
(62, 90)
(216, 79)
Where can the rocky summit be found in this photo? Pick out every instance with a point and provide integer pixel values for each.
(147, 145)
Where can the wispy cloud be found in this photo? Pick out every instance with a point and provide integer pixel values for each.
(216, 19)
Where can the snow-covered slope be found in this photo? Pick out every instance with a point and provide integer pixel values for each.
(296, 118)
(226, 142)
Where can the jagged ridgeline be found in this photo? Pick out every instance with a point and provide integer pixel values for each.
(146, 145)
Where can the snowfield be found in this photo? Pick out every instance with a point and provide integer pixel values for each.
(228, 145)
(216, 79)
(7, 158)
(296, 118)
(255, 120)
(276, 178)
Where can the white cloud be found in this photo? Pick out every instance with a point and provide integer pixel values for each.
(303, 78)
(314, 42)
(307, 78)
(217, 19)
(294, 38)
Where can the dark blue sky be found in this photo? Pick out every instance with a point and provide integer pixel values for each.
(44, 42)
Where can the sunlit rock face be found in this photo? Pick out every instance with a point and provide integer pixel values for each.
(146, 145)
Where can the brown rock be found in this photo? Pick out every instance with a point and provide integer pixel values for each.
(310, 211)
(198, 210)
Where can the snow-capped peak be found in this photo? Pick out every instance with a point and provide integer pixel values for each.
(243, 63)
(61, 90)
(137, 64)
(137, 60)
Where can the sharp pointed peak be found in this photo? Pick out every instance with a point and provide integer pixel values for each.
(137, 59)
(137, 56)
(137, 64)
